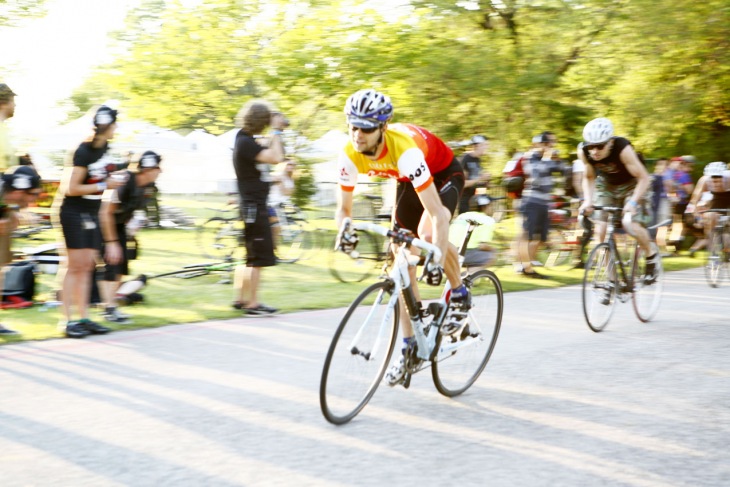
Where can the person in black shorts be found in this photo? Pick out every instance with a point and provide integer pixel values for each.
(117, 209)
(253, 163)
(82, 189)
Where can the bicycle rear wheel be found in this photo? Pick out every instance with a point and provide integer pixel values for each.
(359, 353)
(715, 266)
(218, 238)
(346, 268)
(293, 243)
(599, 287)
(647, 292)
(462, 357)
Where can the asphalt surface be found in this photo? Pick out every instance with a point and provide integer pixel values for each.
(233, 403)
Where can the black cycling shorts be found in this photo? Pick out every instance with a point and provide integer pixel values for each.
(409, 210)
(257, 234)
(111, 272)
(80, 229)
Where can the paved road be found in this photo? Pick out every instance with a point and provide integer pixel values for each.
(234, 403)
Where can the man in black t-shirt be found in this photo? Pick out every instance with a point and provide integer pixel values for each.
(253, 163)
(474, 176)
(117, 208)
(614, 172)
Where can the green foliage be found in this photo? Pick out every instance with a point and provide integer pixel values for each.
(510, 69)
(305, 186)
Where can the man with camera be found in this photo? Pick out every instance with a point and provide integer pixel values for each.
(253, 163)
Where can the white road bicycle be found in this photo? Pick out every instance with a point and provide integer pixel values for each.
(363, 344)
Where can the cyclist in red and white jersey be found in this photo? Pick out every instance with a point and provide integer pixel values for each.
(430, 182)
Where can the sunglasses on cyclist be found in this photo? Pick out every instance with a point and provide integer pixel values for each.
(596, 146)
(368, 130)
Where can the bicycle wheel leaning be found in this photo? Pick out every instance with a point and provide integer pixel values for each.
(293, 243)
(359, 353)
(218, 238)
(360, 264)
(599, 287)
(647, 290)
(462, 357)
(715, 266)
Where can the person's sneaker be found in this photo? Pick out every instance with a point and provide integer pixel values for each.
(459, 307)
(650, 274)
(113, 315)
(93, 327)
(260, 310)
(7, 331)
(534, 275)
(396, 372)
(239, 305)
(76, 329)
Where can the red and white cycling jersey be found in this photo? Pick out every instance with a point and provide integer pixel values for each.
(411, 153)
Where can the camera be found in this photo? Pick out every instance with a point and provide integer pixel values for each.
(286, 120)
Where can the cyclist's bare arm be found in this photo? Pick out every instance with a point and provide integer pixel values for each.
(589, 179)
(344, 206)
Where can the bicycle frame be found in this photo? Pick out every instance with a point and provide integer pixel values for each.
(401, 281)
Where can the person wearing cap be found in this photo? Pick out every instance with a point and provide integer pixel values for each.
(19, 186)
(539, 165)
(82, 188)
(8, 157)
(474, 176)
(117, 208)
(480, 252)
(253, 162)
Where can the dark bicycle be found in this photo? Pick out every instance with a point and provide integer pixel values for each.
(612, 275)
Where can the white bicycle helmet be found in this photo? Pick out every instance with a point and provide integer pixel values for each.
(715, 169)
(598, 131)
(368, 108)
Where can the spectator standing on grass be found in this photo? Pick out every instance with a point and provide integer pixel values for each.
(8, 157)
(82, 186)
(117, 208)
(539, 165)
(474, 175)
(20, 186)
(253, 162)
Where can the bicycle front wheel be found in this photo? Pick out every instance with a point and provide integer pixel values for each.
(359, 353)
(599, 287)
(359, 265)
(462, 357)
(715, 266)
(647, 289)
(218, 238)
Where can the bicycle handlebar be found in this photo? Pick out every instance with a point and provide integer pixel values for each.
(397, 236)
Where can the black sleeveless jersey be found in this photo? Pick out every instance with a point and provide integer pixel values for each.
(611, 169)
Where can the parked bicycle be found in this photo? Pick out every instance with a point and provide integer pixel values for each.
(612, 275)
(718, 249)
(221, 236)
(364, 341)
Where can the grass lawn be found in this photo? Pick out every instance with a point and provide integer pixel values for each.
(304, 285)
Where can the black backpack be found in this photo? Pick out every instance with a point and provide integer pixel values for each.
(20, 280)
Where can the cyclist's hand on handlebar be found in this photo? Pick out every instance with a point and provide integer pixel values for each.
(434, 275)
(348, 241)
(586, 208)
